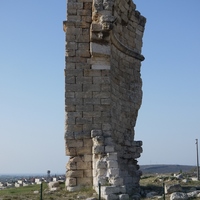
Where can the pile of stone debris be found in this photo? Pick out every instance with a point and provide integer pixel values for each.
(175, 191)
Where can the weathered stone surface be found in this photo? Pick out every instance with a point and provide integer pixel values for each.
(103, 95)
(84, 181)
(173, 188)
(75, 174)
(53, 184)
(123, 197)
(178, 196)
(71, 182)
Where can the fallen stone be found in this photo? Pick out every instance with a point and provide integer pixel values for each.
(169, 189)
(193, 194)
(91, 198)
(123, 197)
(178, 196)
(53, 184)
(151, 194)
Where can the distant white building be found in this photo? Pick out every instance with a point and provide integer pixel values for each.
(20, 182)
(17, 184)
(38, 181)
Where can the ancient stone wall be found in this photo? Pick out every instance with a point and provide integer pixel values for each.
(103, 95)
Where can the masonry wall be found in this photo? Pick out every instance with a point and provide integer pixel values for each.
(103, 95)
(126, 89)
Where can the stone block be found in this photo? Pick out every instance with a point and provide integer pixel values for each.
(139, 150)
(101, 120)
(84, 54)
(86, 1)
(99, 49)
(87, 158)
(113, 171)
(74, 18)
(106, 127)
(69, 94)
(122, 189)
(70, 80)
(72, 12)
(83, 150)
(73, 114)
(128, 180)
(107, 190)
(117, 181)
(92, 114)
(109, 141)
(84, 108)
(89, 101)
(69, 66)
(82, 135)
(100, 67)
(123, 197)
(90, 72)
(87, 173)
(74, 143)
(70, 151)
(74, 128)
(106, 101)
(84, 80)
(71, 165)
(105, 87)
(74, 174)
(84, 38)
(107, 133)
(71, 45)
(70, 120)
(87, 142)
(69, 135)
(74, 72)
(76, 159)
(84, 165)
(90, 127)
(84, 181)
(137, 143)
(111, 197)
(112, 156)
(106, 114)
(74, 188)
(101, 94)
(95, 133)
(73, 87)
(71, 29)
(98, 141)
(83, 95)
(98, 149)
(101, 164)
(71, 182)
(74, 5)
(109, 149)
(70, 108)
(85, 120)
(102, 80)
(112, 164)
(91, 87)
(101, 172)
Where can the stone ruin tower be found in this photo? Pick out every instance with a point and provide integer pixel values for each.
(103, 95)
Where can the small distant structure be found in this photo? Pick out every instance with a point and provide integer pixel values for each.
(48, 175)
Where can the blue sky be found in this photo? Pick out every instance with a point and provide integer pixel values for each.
(168, 121)
(32, 46)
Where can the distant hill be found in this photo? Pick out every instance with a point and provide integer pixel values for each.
(152, 169)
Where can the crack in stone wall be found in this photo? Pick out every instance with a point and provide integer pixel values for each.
(103, 93)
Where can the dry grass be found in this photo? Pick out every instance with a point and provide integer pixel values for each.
(27, 193)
